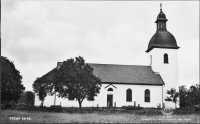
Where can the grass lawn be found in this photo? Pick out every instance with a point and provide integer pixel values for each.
(135, 116)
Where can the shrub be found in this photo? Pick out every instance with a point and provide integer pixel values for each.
(197, 109)
(83, 110)
(20, 105)
(186, 108)
(7, 106)
(55, 108)
(20, 108)
(3, 106)
(45, 109)
(132, 108)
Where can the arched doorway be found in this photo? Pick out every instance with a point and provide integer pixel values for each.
(110, 97)
(109, 100)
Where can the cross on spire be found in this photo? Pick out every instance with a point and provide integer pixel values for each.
(160, 6)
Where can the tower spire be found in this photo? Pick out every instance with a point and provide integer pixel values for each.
(161, 20)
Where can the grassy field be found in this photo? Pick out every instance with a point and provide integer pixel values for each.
(135, 116)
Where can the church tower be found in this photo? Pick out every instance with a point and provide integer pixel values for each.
(163, 53)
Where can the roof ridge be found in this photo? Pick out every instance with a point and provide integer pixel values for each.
(117, 64)
(112, 64)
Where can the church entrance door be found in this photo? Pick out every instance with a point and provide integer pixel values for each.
(109, 100)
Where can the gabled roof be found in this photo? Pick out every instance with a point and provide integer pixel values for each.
(48, 77)
(127, 74)
(120, 74)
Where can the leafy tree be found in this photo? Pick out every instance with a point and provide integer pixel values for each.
(43, 85)
(11, 81)
(189, 97)
(194, 95)
(30, 97)
(40, 89)
(42, 94)
(173, 96)
(76, 77)
(183, 96)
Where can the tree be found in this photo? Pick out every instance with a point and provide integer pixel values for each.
(11, 81)
(183, 96)
(194, 95)
(189, 97)
(43, 85)
(30, 97)
(40, 89)
(75, 78)
(42, 94)
(173, 96)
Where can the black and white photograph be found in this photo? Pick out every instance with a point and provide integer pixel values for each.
(109, 61)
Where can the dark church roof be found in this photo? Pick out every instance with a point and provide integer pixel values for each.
(121, 74)
(162, 39)
(161, 16)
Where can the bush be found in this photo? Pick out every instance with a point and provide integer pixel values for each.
(197, 109)
(153, 108)
(71, 110)
(45, 109)
(55, 108)
(3, 106)
(185, 108)
(19, 108)
(7, 106)
(83, 110)
(132, 108)
(20, 105)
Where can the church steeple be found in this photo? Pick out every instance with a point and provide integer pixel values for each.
(162, 38)
(161, 20)
(163, 56)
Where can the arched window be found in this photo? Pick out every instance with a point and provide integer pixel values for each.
(147, 95)
(129, 95)
(165, 58)
(110, 89)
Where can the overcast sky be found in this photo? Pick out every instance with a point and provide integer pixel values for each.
(38, 34)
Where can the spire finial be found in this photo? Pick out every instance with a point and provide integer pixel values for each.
(160, 6)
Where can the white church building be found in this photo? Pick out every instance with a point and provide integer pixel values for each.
(124, 85)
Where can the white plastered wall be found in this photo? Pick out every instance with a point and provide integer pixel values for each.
(168, 72)
(119, 96)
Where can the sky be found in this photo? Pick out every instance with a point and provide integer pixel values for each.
(38, 34)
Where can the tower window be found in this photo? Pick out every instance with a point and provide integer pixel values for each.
(129, 95)
(147, 95)
(166, 58)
